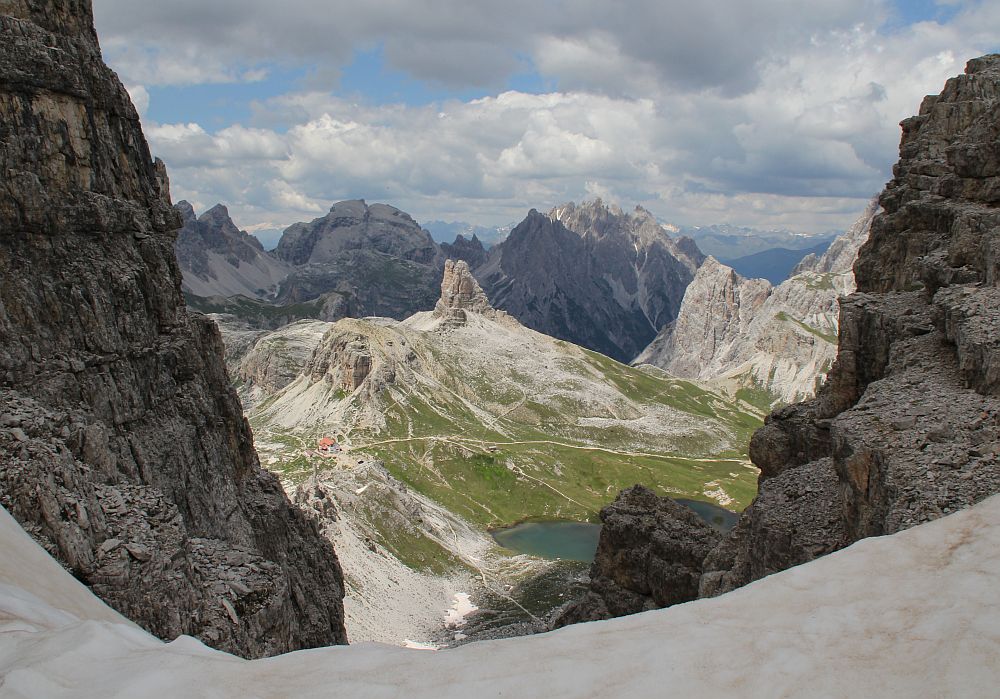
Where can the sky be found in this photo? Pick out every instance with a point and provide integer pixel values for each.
(771, 113)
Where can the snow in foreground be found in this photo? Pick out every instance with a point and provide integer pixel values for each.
(915, 614)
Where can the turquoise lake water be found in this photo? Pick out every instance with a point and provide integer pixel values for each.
(577, 541)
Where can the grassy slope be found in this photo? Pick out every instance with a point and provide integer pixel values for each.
(499, 440)
(564, 470)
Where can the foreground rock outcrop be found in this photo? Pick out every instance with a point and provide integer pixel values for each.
(649, 556)
(123, 448)
(906, 428)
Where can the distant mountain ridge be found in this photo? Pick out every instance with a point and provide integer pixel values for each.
(728, 242)
(445, 231)
(591, 274)
(217, 258)
(770, 343)
(774, 264)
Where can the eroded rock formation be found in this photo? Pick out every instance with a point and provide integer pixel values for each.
(461, 293)
(123, 448)
(906, 428)
(649, 556)
(743, 333)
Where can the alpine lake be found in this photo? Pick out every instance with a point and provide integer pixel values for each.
(577, 541)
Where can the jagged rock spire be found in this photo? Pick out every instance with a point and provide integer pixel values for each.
(460, 290)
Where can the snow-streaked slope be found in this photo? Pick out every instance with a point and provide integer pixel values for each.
(915, 614)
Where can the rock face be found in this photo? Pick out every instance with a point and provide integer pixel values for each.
(592, 275)
(649, 556)
(218, 259)
(375, 259)
(747, 334)
(264, 363)
(469, 249)
(461, 293)
(907, 427)
(123, 448)
(354, 225)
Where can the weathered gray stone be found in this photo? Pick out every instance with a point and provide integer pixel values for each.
(576, 274)
(903, 425)
(778, 339)
(649, 556)
(133, 432)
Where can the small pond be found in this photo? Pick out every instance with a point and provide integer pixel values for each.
(573, 541)
(577, 541)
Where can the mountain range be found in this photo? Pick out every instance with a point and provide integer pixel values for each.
(729, 242)
(139, 511)
(774, 264)
(768, 343)
(590, 274)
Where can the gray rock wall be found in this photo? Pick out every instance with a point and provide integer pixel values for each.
(123, 449)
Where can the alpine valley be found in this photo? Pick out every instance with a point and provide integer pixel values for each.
(212, 453)
(460, 419)
(412, 428)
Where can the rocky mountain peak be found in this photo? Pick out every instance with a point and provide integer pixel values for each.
(355, 225)
(459, 289)
(461, 293)
(592, 275)
(217, 258)
(469, 249)
(186, 211)
(220, 213)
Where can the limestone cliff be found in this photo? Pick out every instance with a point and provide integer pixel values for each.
(218, 259)
(746, 334)
(906, 428)
(591, 274)
(123, 449)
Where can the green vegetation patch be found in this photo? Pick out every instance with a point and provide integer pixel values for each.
(827, 337)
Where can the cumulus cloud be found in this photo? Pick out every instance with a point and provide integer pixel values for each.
(768, 113)
(455, 42)
(140, 98)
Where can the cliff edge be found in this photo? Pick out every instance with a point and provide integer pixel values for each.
(907, 427)
(123, 448)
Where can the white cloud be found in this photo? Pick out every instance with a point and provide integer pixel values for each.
(771, 113)
(140, 98)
